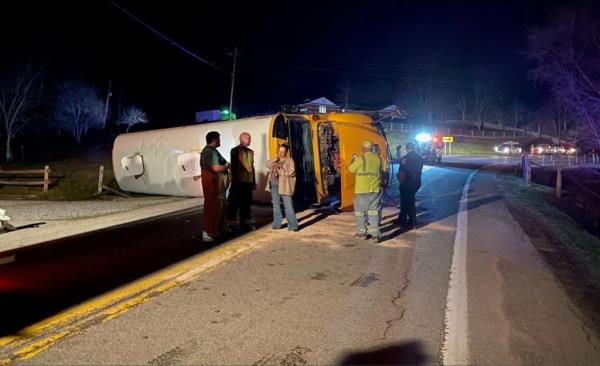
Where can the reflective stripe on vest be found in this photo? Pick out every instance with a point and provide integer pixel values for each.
(368, 178)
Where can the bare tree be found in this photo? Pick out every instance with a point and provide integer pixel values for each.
(78, 108)
(344, 93)
(561, 118)
(429, 97)
(483, 97)
(462, 100)
(17, 101)
(131, 116)
(518, 113)
(567, 57)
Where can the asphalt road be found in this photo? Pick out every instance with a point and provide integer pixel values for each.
(481, 160)
(466, 287)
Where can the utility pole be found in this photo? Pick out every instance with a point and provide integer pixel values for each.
(235, 53)
(108, 95)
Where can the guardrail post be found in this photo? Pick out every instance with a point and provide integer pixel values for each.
(526, 169)
(558, 182)
(46, 177)
(100, 178)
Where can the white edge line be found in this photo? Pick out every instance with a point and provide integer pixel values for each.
(455, 349)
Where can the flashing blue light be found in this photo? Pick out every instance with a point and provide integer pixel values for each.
(423, 137)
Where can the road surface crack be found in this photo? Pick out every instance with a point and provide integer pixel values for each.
(390, 322)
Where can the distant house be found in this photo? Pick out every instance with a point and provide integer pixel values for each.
(319, 106)
(392, 110)
(208, 116)
(389, 113)
(323, 105)
(213, 115)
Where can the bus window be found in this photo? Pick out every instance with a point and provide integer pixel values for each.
(280, 128)
(329, 152)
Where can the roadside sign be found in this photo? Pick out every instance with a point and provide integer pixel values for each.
(448, 138)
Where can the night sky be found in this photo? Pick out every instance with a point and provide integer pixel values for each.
(288, 51)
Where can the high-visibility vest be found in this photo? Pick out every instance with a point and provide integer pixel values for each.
(367, 169)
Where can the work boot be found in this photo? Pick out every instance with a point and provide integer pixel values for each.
(399, 222)
(207, 238)
(377, 240)
(409, 226)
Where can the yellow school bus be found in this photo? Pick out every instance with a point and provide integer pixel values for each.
(166, 161)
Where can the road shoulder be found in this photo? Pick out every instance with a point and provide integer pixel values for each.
(91, 219)
(570, 252)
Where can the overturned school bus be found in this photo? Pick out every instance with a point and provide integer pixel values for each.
(166, 161)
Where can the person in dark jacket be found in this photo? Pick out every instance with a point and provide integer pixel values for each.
(409, 177)
(243, 182)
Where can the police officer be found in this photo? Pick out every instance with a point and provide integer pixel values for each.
(367, 192)
(409, 177)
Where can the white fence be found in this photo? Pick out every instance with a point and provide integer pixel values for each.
(464, 132)
(565, 160)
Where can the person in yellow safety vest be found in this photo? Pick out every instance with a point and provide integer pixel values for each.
(367, 192)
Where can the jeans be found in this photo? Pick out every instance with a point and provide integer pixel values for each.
(367, 208)
(290, 215)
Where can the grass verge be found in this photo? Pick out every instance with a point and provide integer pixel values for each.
(73, 178)
(571, 252)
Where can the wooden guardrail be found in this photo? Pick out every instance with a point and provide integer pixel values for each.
(26, 181)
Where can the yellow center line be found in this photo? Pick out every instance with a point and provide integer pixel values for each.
(36, 338)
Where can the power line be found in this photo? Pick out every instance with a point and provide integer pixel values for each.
(404, 67)
(250, 68)
(164, 37)
(320, 69)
